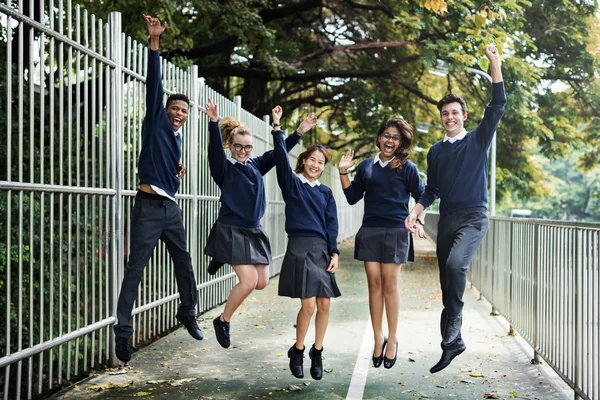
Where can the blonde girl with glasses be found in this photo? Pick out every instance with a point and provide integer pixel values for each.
(237, 238)
(386, 181)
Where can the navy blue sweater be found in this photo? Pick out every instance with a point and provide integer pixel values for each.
(309, 211)
(457, 172)
(386, 191)
(243, 199)
(160, 153)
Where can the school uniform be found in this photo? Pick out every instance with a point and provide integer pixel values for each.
(312, 227)
(156, 216)
(457, 173)
(237, 238)
(382, 236)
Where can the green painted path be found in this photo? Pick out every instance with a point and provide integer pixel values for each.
(495, 365)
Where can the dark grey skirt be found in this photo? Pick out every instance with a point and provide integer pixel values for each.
(304, 270)
(384, 245)
(238, 246)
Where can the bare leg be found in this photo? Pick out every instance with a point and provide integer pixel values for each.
(303, 320)
(263, 276)
(321, 321)
(391, 295)
(247, 281)
(374, 280)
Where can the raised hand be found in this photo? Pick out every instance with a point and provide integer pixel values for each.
(346, 162)
(308, 123)
(154, 26)
(276, 114)
(212, 110)
(491, 52)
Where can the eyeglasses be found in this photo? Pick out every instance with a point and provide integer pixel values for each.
(247, 148)
(387, 136)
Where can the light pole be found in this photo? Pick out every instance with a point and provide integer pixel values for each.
(441, 69)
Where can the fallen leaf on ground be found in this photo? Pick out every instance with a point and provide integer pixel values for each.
(476, 375)
(294, 388)
(441, 386)
(466, 381)
(159, 381)
(328, 370)
(411, 359)
(307, 383)
(279, 355)
(119, 372)
(466, 369)
(491, 395)
(142, 394)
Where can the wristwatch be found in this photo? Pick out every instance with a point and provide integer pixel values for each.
(274, 124)
(419, 220)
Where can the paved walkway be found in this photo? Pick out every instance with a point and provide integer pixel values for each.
(256, 366)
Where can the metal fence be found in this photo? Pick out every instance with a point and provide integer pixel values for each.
(72, 86)
(543, 277)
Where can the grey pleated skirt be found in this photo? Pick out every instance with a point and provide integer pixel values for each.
(384, 245)
(238, 246)
(304, 270)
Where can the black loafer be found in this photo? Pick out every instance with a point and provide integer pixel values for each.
(122, 349)
(316, 363)
(448, 355)
(296, 360)
(191, 325)
(222, 332)
(387, 363)
(379, 359)
(214, 266)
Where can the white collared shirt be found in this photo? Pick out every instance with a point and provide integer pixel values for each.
(384, 164)
(234, 161)
(158, 190)
(458, 137)
(305, 180)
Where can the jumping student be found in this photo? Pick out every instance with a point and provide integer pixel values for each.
(155, 214)
(237, 238)
(386, 181)
(311, 257)
(457, 170)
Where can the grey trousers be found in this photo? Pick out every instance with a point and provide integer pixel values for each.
(152, 220)
(459, 237)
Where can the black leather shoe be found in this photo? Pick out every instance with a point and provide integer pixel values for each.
(214, 266)
(296, 359)
(122, 349)
(447, 356)
(192, 326)
(222, 332)
(379, 359)
(316, 363)
(452, 330)
(387, 363)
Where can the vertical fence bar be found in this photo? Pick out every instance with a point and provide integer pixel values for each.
(116, 129)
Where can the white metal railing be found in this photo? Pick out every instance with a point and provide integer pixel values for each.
(73, 90)
(543, 277)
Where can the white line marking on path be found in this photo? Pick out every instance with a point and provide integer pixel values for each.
(361, 367)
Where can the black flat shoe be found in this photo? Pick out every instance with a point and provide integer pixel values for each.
(379, 359)
(191, 325)
(222, 332)
(296, 360)
(316, 363)
(387, 363)
(447, 356)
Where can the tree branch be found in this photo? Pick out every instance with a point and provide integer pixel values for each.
(350, 47)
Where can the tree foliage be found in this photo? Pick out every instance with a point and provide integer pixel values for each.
(357, 62)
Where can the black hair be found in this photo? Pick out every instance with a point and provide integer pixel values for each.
(452, 98)
(178, 96)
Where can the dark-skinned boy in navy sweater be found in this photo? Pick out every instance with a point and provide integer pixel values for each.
(387, 182)
(237, 238)
(155, 214)
(457, 169)
(311, 257)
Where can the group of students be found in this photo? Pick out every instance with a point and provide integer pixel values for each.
(457, 174)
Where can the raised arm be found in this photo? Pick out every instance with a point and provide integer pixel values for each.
(154, 87)
(285, 175)
(217, 160)
(267, 160)
(495, 109)
(355, 190)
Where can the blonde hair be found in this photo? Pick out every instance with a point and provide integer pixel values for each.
(231, 127)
